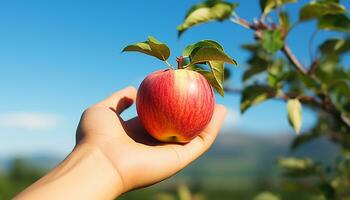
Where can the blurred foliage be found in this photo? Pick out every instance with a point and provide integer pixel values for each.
(19, 175)
(274, 72)
(266, 196)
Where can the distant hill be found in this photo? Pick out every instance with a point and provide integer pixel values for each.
(235, 160)
(243, 160)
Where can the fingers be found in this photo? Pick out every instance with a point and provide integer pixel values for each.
(209, 134)
(120, 100)
(192, 150)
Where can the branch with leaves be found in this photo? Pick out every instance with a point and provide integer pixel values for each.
(271, 37)
(324, 84)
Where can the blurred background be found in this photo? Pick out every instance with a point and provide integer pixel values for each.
(59, 57)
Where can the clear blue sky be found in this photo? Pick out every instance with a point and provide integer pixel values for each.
(59, 57)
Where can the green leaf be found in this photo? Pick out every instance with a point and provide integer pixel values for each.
(334, 23)
(255, 94)
(189, 50)
(266, 196)
(252, 71)
(268, 5)
(272, 40)
(294, 114)
(184, 192)
(295, 164)
(205, 12)
(218, 72)
(309, 82)
(210, 77)
(335, 46)
(210, 52)
(140, 47)
(206, 54)
(159, 49)
(316, 9)
(151, 47)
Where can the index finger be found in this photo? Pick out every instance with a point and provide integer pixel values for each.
(120, 100)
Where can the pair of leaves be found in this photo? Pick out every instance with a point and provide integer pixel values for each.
(294, 114)
(316, 9)
(330, 15)
(268, 5)
(207, 11)
(152, 47)
(211, 53)
(335, 46)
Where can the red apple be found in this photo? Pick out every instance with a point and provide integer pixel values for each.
(175, 105)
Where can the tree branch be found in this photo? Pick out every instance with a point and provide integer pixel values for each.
(291, 57)
(326, 104)
(309, 100)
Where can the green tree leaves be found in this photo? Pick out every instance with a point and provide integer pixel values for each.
(335, 46)
(272, 40)
(294, 114)
(268, 5)
(211, 53)
(151, 47)
(205, 12)
(316, 9)
(330, 15)
(334, 22)
(159, 49)
(206, 54)
(255, 94)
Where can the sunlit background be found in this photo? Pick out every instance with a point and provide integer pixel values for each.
(59, 57)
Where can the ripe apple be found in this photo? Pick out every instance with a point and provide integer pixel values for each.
(175, 105)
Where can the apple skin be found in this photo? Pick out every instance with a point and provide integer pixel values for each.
(175, 105)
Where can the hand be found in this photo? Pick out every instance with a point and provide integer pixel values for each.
(137, 158)
(113, 156)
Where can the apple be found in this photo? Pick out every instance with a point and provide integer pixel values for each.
(175, 105)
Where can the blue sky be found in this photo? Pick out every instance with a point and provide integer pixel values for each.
(59, 57)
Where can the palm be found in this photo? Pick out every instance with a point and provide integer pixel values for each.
(133, 153)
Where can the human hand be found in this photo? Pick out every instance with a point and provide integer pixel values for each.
(138, 159)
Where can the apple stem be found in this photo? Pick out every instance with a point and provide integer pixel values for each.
(179, 62)
(168, 64)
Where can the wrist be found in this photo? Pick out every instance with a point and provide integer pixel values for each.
(85, 174)
(104, 176)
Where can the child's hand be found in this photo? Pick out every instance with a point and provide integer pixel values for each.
(139, 159)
